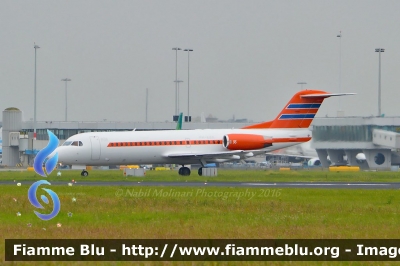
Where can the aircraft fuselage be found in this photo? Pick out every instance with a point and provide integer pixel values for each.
(170, 146)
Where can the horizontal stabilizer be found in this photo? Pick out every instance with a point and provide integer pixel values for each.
(326, 95)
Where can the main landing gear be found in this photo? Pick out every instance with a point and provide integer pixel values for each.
(185, 171)
(84, 173)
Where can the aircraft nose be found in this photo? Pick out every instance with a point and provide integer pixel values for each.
(51, 155)
(62, 158)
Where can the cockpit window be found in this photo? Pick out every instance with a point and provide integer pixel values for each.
(75, 143)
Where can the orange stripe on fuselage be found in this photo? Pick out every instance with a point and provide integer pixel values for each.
(164, 143)
(191, 142)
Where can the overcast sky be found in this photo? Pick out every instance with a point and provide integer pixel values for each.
(248, 57)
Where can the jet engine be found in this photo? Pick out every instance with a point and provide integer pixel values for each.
(360, 158)
(245, 142)
(314, 162)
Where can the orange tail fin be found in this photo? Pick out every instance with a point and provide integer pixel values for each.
(299, 111)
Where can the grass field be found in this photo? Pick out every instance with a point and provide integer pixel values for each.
(223, 175)
(176, 212)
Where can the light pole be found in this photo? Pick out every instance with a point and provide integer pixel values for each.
(379, 50)
(340, 60)
(339, 112)
(147, 101)
(302, 83)
(188, 115)
(35, 46)
(176, 78)
(66, 98)
(177, 105)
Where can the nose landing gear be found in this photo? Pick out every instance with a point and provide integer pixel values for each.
(84, 173)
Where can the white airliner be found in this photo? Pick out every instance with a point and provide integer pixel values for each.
(202, 146)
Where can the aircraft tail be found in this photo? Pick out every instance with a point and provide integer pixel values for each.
(179, 124)
(299, 111)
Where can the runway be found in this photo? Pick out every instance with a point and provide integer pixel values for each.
(324, 185)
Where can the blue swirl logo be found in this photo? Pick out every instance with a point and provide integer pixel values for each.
(42, 156)
(34, 201)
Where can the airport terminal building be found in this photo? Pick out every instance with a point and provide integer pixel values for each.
(367, 142)
(341, 139)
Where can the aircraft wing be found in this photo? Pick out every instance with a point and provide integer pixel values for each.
(238, 154)
(290, 155)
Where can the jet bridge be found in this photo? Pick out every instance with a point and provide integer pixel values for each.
(386, 138)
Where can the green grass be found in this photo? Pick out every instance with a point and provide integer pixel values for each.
(223, 175)
(209, 212)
